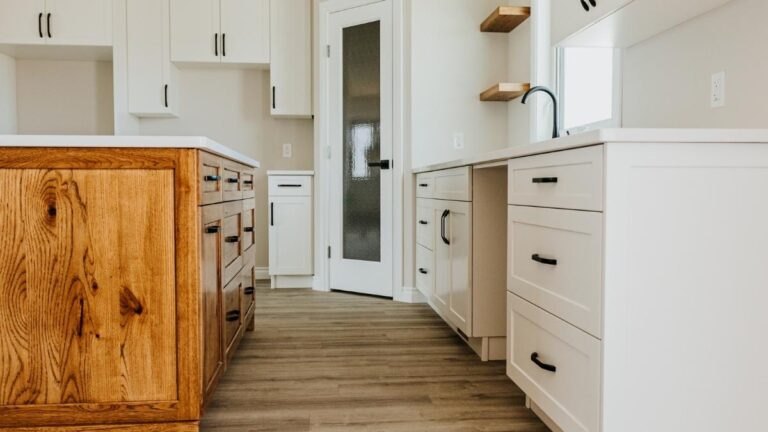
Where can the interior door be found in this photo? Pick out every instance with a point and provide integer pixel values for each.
(195, 31)
(21, 22)
(245, 31)
(79, 22)
(360, 105)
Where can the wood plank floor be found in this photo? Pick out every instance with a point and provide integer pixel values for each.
(341, 362)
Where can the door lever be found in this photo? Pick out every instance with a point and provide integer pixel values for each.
(383, 164)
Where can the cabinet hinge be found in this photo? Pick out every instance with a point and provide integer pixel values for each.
(328, 51)
(329, 252)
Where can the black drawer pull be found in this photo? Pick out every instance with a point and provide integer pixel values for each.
(232, 239)
(289, 185)
(249, 291)
(540, 180)
(547, 261)
(233, 180)
(248, 229)
(233, 315)
(539, 363)
(423, 271)
(212, 229)
(423, 222)
(424, 185)
(210, 178)
(248, 182)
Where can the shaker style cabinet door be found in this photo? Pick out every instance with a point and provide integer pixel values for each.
(291, 58)
(78, 22)
(195, 31)
(22, 21)
(453, 247)
(290, 235)
(245, 31)
(210, 259)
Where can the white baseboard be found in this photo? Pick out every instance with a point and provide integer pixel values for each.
(291, 282)
(262, 273)
(410, 295)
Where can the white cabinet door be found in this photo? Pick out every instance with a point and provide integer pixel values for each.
(291, 58)
(79, 22)
(245, 31)
(290, 235)
(152, 86)
(453, 262)
(195, 31)
(571, 16)
(22, 21)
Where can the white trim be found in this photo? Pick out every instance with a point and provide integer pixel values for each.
(261, 273)
(411, 295)
(321, 280)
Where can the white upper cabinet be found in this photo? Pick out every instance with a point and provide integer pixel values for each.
(220, 31)
(56, 22)
(152, 81)
(245, 31)
(291, 62)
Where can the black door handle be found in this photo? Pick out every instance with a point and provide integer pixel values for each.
(423, 222)
(212, 230)
(540, 180)
(383, 164)
(539, 363)
(248, 291)
(547, 261)
(271, 214)
(233, 315)
(210, 178)
(232, 239)
(49, 25)
(423, 271)
(274, 97)
(216, 44)
(40, 24)
(223, 44)
(442, 226)
(166, 95)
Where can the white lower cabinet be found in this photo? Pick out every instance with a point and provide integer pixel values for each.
(453, 262)
(290, 231)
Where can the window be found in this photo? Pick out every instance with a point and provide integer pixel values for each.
(589, 87)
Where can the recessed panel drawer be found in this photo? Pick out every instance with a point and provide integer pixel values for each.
(249, 223)
(232, 310)
(555, 364)
(290, 185)
(231, 227)
(210, 168)
(425, 185)
(571, 179)
(231, 183)
(453, 184)
(247, 183)
(555, 262)
(248, 280)
(425, 223)
(425, 269)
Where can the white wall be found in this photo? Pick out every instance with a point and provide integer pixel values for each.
(667, 78)
(231, 106)
(519, 70)
(7, 95)
(451, 63)
(64, 97)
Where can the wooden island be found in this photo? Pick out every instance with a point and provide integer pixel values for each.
(126, 279)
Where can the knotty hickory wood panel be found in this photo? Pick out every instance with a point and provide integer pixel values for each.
(80, 299)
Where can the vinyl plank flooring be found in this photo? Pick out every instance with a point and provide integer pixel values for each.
(335, 362)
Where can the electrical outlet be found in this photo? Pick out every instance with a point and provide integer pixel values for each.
(458, 140)
(287, 150)
(717, 94)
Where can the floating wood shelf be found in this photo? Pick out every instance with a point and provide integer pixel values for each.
(505, 19)
(503, 92)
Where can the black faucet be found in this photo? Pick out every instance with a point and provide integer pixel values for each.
(556, 129)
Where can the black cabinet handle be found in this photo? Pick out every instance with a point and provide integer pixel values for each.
(424, 185)
(446, 213)
(383, 164)
(210, 178)
(289, 185)
(212, 229)
(249, 291)
(166, 95)
(232, 239)
(248, 229)
(585, 5)
(223, 44)
(247, 182)
(540, 180)
(233, 180)
(272, 214)
(216, 44)
(547, 261)
(539, 363)
(593, 3)
(40, 24)
(233, 315)
(274, 97)
(49, 25)
(423, 271)
(423, 222)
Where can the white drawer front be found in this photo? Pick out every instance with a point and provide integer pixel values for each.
(425, 270)
(425, 223)
(290, 186)
(425, 185)
(569, 395)
(571, 179)
(555, 262)
(453, 184)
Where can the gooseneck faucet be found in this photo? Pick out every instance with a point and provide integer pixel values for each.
(556, 128)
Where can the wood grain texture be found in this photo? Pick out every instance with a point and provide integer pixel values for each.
(505, 19)
(158, 427)
(504, 92)
(339, 362)
(90, 158)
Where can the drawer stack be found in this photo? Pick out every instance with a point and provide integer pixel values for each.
(554, 300)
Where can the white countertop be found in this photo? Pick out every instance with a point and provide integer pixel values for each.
(109, 141)
(290, 173)
(601, 136)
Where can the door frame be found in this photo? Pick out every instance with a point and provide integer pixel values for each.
(324, 9)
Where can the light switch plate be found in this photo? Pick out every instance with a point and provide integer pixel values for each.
(717, 93)
(287, 150)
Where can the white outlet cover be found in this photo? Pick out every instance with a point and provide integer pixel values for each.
(458, 140)
(287, 150)
(717, 92)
